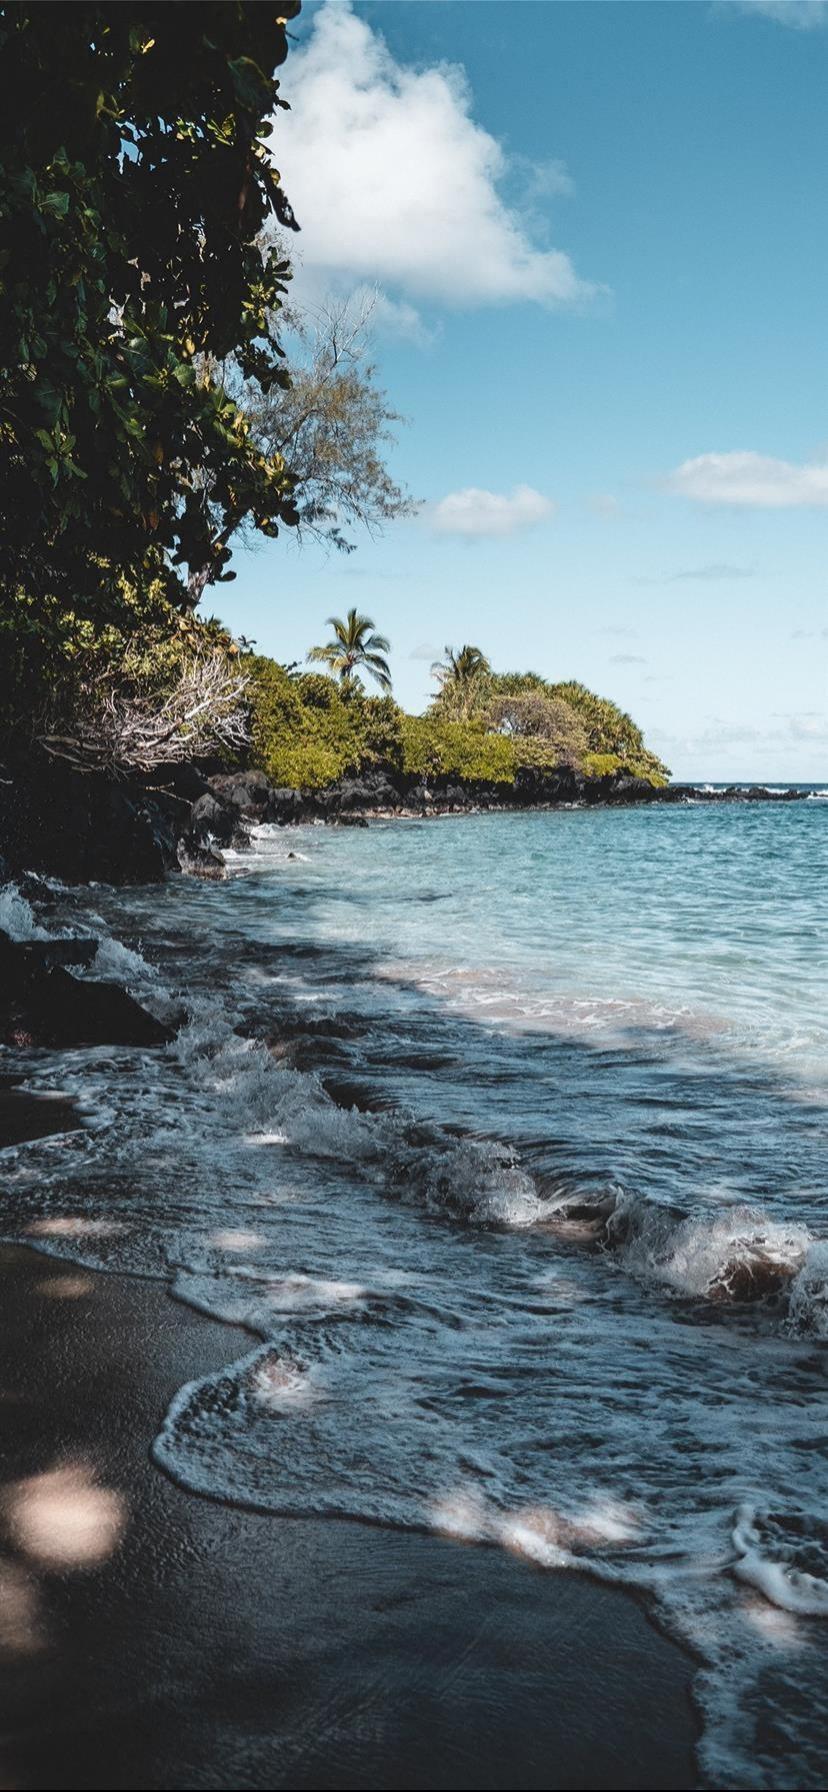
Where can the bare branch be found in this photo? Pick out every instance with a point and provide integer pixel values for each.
(205, 712)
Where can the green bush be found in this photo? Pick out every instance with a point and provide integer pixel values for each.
(643, 765)
(460, 749)
(305, 733)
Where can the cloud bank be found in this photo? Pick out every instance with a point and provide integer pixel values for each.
(475, 512)
(750, 479)
(394, 182)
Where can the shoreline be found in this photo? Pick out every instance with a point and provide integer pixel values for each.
(98, 827)
(153, 1637)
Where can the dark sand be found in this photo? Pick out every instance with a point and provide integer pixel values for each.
(218, 1648)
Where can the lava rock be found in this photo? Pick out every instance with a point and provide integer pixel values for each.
(43, 1004)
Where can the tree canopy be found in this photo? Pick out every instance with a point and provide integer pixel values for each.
(331, 424)
(135, 184)
(355, 648)
(462, 677)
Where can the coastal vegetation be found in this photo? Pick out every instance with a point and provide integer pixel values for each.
(356, 649)
(163, 401)
(308, 730)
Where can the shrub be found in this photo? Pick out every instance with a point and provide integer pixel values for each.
(460, 749)
(306, 733)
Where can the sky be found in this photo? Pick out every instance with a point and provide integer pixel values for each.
(597, 236)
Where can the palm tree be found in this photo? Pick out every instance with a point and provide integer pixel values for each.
(459, 676)
(354, 648)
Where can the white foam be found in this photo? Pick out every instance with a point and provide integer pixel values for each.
(791, 1588)
(17, 916)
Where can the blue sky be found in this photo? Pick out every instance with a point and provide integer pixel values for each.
(598, 230)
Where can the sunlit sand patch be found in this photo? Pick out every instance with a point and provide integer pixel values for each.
(578, 1231)
(552, 1537)
(460, 1514)
(65, 1287)
(235, 1238)
(779, 1628)
(289, 1293)
(74, 1226)
(561, 1288)
(541, 1533)
(63, 1518)
(607, 1521)
(21, 1624)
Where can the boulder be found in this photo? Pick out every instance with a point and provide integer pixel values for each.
(41, 1003)
(198, 860)
(248, 792)
(214, 820)
(84, 826)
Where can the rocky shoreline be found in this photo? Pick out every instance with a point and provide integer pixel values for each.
(98, 827)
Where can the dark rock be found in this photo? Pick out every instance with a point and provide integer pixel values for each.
(43, 1004)
(37, 891)
(200, 861)
(84, 827)
(56, 951)
(211, 819)
(26, 1114)
(285, 805)
(248, 792)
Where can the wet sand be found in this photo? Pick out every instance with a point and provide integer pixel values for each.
(152, 1639)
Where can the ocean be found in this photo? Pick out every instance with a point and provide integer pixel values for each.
(504, 1137)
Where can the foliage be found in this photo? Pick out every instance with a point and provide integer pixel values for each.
(159, 689)
(307, 731)
(52, 658)
(355, 648)
(463, 679)
(462, 749)
(548, 722)
(302, 731)
(134, 187)
(330, 425)
(609, 731)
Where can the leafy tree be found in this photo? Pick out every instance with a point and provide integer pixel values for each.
(536, 717)
(355, 648)
(135, 185)
(331, 425)
(461, 677)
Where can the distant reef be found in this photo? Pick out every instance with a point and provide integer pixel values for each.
(101, 827)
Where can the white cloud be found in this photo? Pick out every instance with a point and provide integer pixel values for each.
(750, 479)
(425, 651)
(392, 180)
(627, 659)
(475, 512)
(800, 15)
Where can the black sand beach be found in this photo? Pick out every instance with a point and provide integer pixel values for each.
(153, 1639)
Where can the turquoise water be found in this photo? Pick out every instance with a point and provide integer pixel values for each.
(505, 1138)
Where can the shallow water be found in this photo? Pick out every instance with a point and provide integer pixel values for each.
(504, 1135)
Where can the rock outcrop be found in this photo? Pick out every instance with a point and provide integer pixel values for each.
(99, 827)
(42, 1003)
